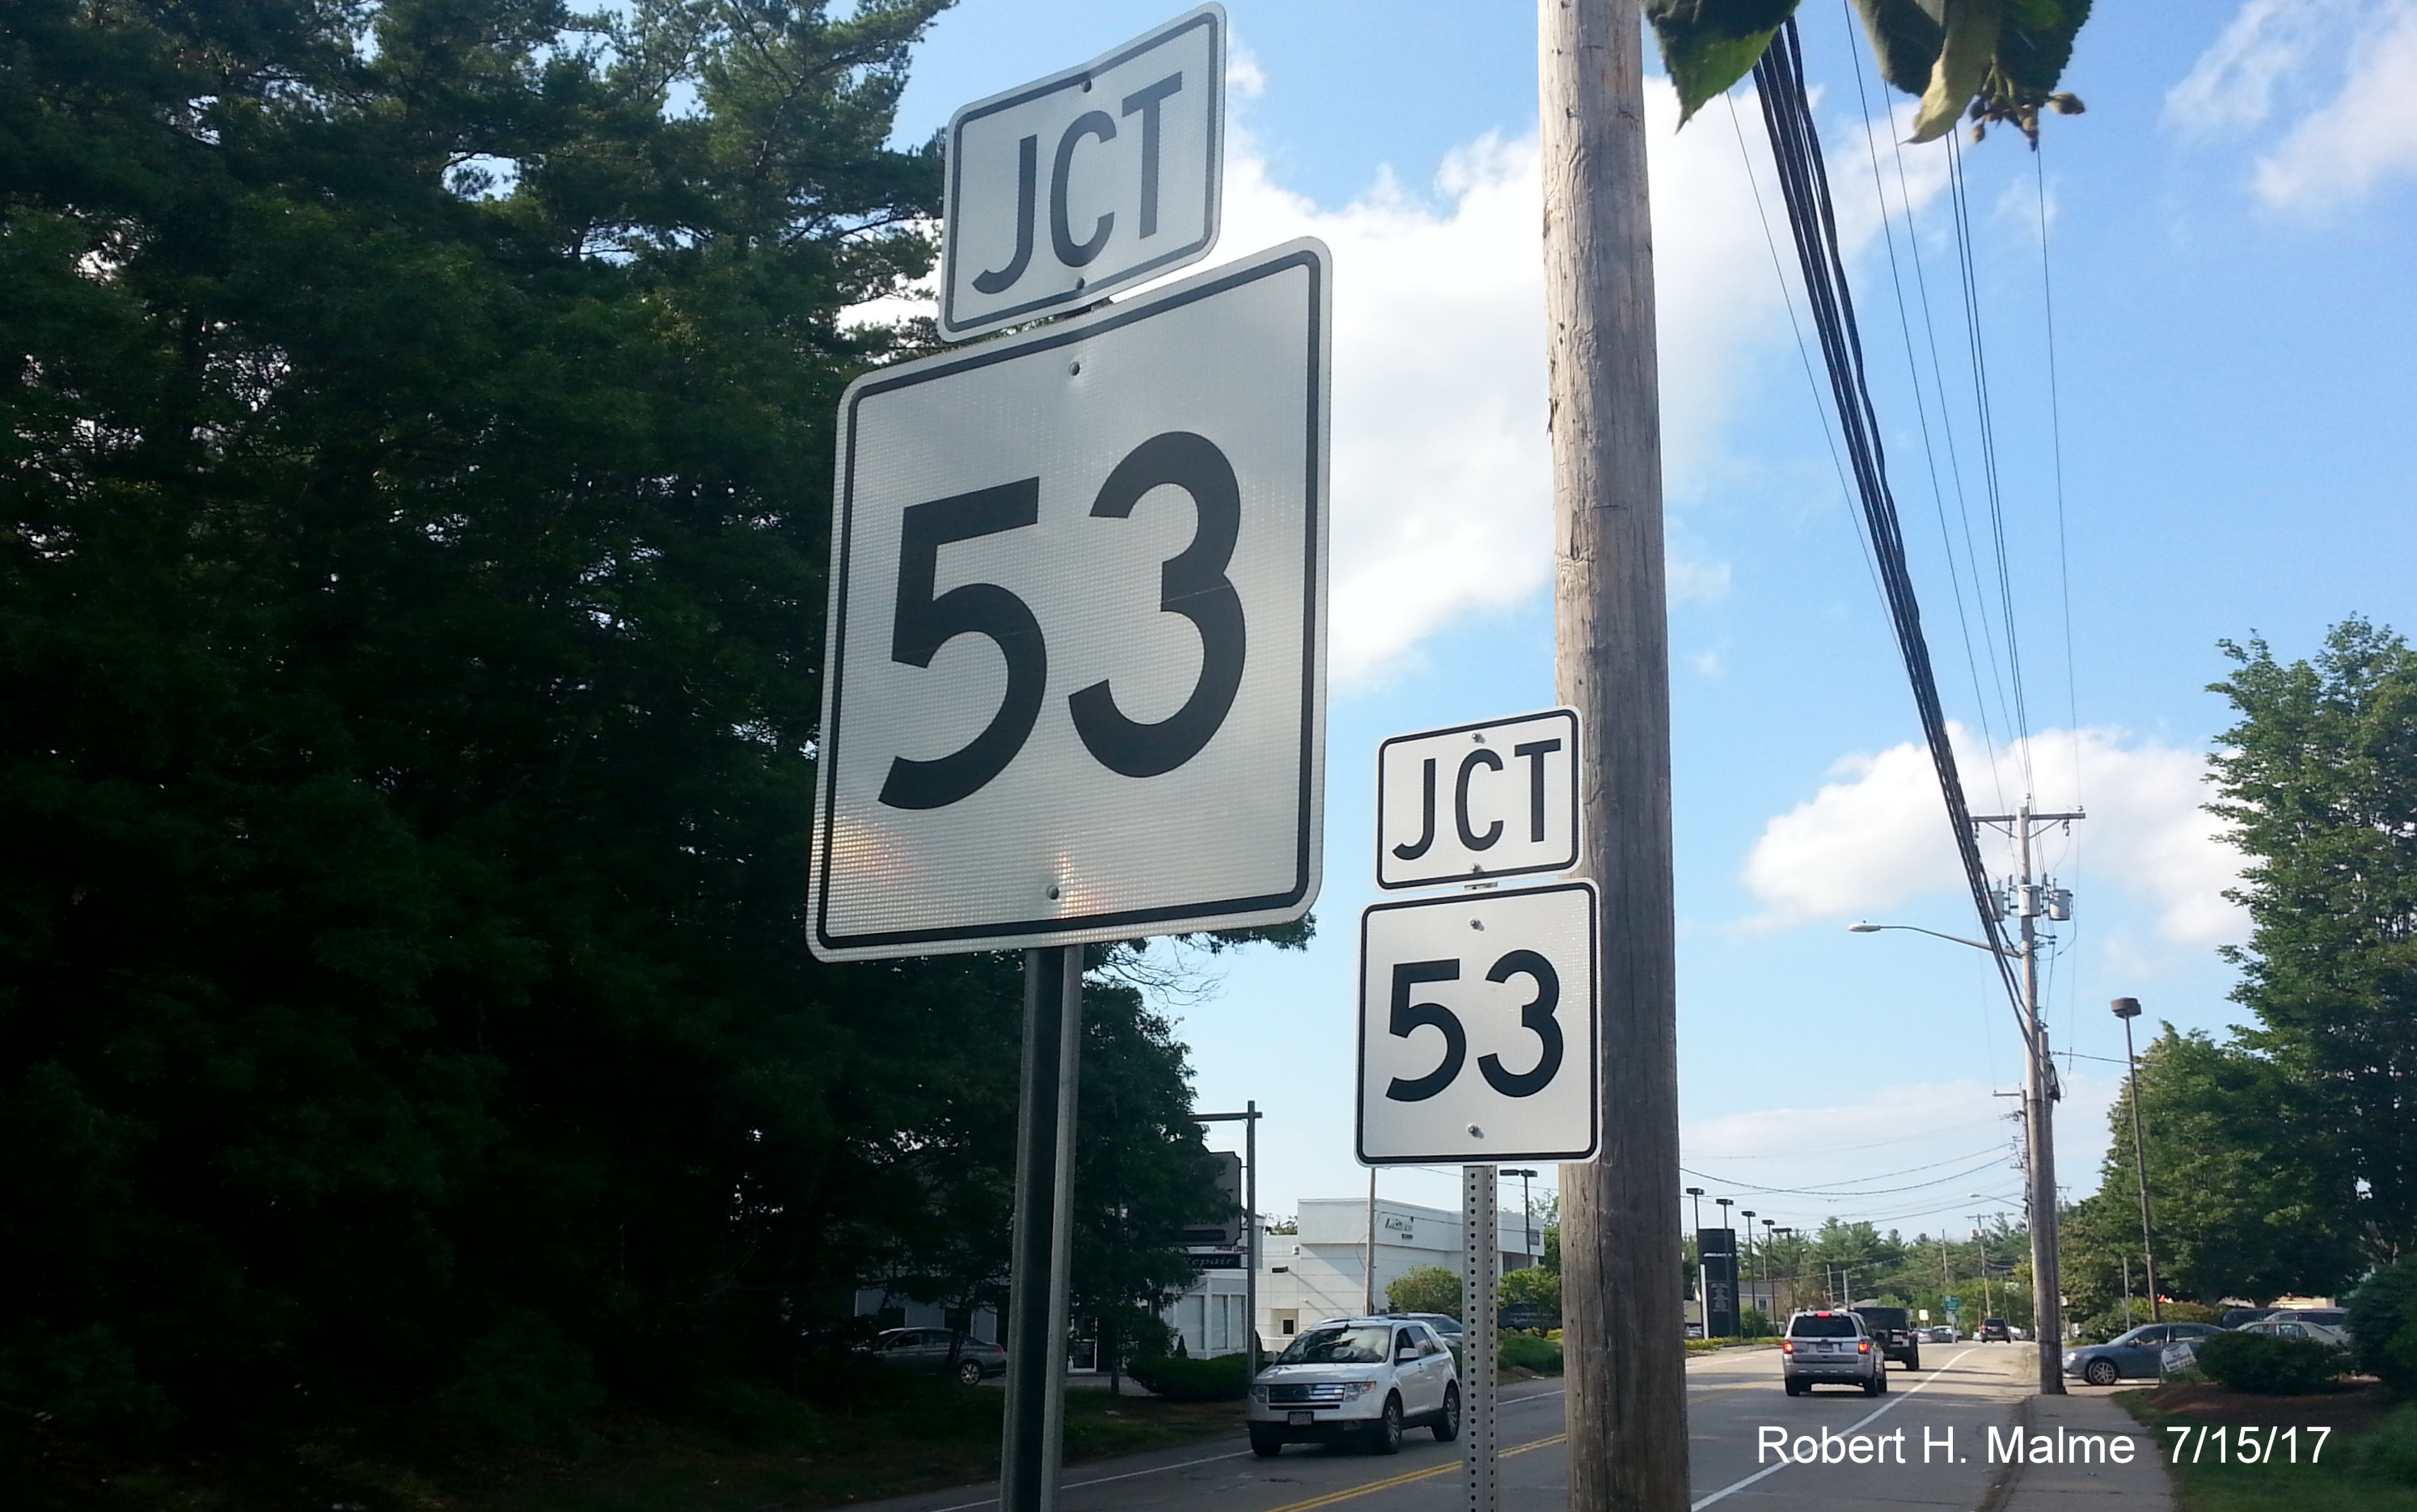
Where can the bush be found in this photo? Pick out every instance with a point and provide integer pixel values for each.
(2383, 1326)
(2269, 1365)
(1530, 1352)
(1226, 1378)
(1425, 1289)
(2390, 1449)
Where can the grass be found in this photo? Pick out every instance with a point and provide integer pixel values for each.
(627, 1463)
(2339, 1482)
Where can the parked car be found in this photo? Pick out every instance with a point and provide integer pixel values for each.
(2135, 1352)
(2283, 1325)
(2235, 1317)
(1940, 1334)
(1447, 1327)
(1892, 1329)
(1356, 1379)
(1831, 1347)
(1993, 1331)
(925, 1351)
(2330, 1317)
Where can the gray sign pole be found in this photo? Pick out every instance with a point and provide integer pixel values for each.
(1481, 1296)
(1031, 1445)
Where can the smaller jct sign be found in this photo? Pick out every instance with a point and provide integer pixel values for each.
(1476, 801)
(1066, 190)
(1478, 1028)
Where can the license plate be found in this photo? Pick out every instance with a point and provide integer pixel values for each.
(1300, 1419)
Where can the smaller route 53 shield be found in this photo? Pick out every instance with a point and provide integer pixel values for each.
(1478, 1026)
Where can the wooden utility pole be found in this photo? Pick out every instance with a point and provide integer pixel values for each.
(1621, 1244)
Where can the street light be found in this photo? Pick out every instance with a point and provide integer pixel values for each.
(1703, 1309)
(2128, 1010)
(2039, 1129)
(1528, 1210)
(1747, 1267)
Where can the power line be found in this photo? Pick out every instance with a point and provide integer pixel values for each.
(1778, 81)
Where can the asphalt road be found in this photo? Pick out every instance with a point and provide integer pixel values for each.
(1735, 1408)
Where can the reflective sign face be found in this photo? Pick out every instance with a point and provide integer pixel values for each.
(1069, 189)
(1479, 800)
(1077, 632)
(1478, 1028)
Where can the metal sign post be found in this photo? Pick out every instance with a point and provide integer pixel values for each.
(1480, 1299)
(1031, 1444)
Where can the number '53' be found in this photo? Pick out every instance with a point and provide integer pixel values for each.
(1191, 583)
(1535, 1018)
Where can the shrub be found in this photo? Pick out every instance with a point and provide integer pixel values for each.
(2390, 1450)
(1530, 1352)
(2269, 1365)
(1425, 1289)
(524, 1382)
(1223, 1378)
(2383, 1326)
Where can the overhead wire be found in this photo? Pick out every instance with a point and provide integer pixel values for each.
(1779, 82)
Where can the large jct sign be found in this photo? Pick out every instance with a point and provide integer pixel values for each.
(1088, 181)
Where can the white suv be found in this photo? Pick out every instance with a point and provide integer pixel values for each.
(1830, 1346)
(1363, 1379)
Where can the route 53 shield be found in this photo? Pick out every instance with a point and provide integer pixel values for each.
(1478, 1028)
(1076, 659)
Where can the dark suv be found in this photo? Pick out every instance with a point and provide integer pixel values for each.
(1893, 1331)
(1993, 1331)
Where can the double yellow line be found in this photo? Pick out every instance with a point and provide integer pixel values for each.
(1349, 1493)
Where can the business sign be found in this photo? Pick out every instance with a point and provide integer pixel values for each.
(1478, 1027)
(1075, 665)
(1716, 1249)
(1475, 801)
(1069, 189)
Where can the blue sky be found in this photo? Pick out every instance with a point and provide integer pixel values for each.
(2225, 452)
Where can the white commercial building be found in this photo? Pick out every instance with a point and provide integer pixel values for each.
(1323, 1271)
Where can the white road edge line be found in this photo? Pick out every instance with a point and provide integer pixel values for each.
(1735, 1487)
(1161, 1469)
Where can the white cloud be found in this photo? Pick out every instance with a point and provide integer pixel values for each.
(1878, 837)
(1442, 464)
(1244, 78)
(2345, 68)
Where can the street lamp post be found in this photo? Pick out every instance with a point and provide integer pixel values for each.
(2039, 1134)
(1745, 1268)
(2128, 1010)
(1702, 1303)
(1528, 1211)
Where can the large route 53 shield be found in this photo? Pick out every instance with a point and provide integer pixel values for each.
(1478, 1026)
(1076, 669)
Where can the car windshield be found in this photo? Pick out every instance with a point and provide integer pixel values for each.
(1364, 1345)
(1813, 1325)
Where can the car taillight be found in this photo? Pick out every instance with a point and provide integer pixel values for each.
(1865, 1347)
(1788, 1346)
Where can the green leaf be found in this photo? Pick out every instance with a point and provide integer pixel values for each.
(2035, 42)
(1905, 36)
(1963, 62)
(1709, 45)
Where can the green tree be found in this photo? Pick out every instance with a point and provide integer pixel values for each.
(2247, 1195)
(417, 458)
(1425, 1289)
(2318, 781)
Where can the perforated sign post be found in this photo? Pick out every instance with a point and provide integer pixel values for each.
(1066, 190)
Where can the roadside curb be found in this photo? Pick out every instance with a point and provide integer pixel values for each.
(2141, 1486)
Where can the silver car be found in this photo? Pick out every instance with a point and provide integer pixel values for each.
(1833, 1346)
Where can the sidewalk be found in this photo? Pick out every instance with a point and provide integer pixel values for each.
(2141, 1486)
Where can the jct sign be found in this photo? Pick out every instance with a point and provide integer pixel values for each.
(1065, 190)
(1074, 682)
